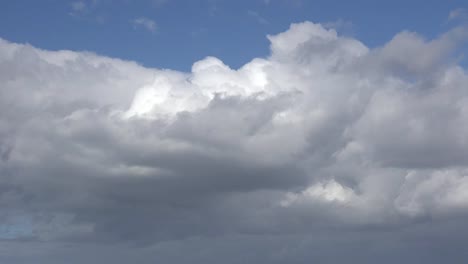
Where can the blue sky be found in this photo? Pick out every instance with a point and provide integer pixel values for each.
(174, 33)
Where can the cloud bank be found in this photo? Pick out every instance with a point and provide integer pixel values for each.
(325, 150)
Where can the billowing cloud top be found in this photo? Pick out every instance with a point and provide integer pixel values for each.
(322, 143)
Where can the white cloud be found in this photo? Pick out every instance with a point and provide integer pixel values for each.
(324, 134)
(145, 23)
(328, 192)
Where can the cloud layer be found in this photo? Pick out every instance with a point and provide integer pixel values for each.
(325, 146)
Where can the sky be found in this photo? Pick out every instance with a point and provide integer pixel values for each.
(212, 131)
(175, 33)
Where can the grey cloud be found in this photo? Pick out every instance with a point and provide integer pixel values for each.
(324, 151)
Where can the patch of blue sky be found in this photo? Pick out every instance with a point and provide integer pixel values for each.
(16, 226)
(176, 33)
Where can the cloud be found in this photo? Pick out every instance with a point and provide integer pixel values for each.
(145, 23)
(459, 13)
(80, 9)
(78, 6)
(88, 11)
(257, 17)
(341, 26)
(326, 144)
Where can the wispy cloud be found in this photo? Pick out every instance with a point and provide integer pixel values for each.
(459, 13)
(87, 10)
(146, 23)
(78, 6)
(258, 17)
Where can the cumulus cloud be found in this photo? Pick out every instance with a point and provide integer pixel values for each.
(324, 143)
